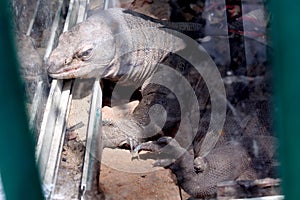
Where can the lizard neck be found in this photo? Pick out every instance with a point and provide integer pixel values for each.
(141, 44)
(134, 68)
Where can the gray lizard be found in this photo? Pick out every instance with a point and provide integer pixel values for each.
(129, 47)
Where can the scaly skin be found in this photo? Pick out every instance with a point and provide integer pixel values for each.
(111, 44)
(96, 47)
(228, 161)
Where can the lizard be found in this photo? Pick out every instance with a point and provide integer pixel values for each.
(116, 51)
(122, 30)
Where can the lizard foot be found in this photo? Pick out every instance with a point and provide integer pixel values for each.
(165, 148)
(122, 133)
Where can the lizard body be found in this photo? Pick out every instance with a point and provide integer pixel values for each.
(129, 47)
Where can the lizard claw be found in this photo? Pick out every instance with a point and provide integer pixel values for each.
(132, 149)
(154, 146)
(167, 149)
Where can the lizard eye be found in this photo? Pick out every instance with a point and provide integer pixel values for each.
(84, 55)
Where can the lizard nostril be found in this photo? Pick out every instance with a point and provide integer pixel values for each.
(67, 61)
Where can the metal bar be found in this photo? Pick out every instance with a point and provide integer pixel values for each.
(286, 41)
(37, 101)
(82, 11)
(106, 4)
(72, 15)
(35, 104)
(53, 30)
(33, 18)
(277, 197)
(57, 112)
(17, 163)
(92, 157)
(46, 132)
(53, 126)
(93, 152)
(57, 139)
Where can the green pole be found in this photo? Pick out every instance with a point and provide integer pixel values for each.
(17, 163)
(286, 41)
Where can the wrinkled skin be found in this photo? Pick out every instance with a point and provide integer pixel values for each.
(79, 55)
(227, 162)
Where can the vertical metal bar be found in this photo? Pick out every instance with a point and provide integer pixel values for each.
(286, 41)
(58, 136)
(71, 16)
(51, 136)
(93, 152)
(47, 126)
(33, 18)
(53, 30)
(17, 163)
(82, 11)
(106, 4)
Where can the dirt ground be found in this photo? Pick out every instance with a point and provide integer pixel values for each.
(123, 178)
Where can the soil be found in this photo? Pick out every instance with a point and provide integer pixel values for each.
(121, 178)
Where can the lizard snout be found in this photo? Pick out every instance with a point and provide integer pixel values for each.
(50, 67)
(54, 69)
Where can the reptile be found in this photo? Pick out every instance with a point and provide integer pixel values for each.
(126, 33)
(131, 48)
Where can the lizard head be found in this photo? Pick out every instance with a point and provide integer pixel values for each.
(82, 52)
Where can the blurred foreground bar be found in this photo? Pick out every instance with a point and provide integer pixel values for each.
(17, 164)
(286, 41)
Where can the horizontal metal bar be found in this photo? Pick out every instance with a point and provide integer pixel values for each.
(277, 197)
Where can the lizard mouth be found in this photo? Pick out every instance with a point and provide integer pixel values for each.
(70, 70)
(67, 73)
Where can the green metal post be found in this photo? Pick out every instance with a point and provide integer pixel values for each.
(17, 163)
(286, 41)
